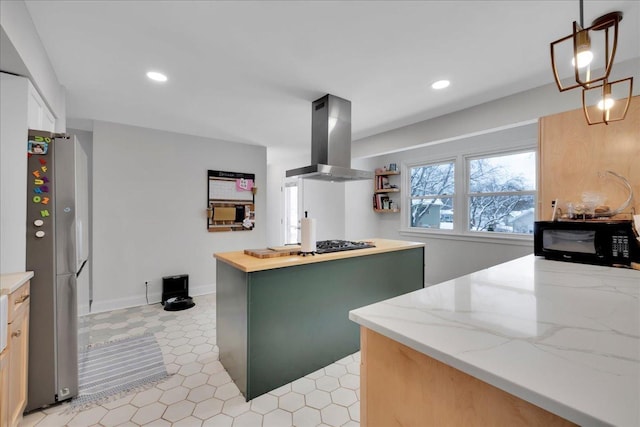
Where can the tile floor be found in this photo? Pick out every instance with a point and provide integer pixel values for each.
(200, 392)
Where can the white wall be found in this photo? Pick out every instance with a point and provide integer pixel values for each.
(13, 173)
(149, 220)
(361, 222)
(446, 257)
(446, 135)
(85, 139)
(324, 201)
(504, 112)
(22, 38)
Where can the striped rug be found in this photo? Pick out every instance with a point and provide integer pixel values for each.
(111, 370)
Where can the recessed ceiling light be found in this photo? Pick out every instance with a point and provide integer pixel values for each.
(441, 84)
(158, 77)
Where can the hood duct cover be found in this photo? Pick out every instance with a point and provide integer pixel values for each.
(330, 143)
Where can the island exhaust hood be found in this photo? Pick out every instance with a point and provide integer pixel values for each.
(330, 143)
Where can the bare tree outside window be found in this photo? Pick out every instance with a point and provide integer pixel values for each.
(500, 194)
(432, 191)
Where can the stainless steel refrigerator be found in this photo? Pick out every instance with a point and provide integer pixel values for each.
(57, 252)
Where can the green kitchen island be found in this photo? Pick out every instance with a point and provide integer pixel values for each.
(279, 319)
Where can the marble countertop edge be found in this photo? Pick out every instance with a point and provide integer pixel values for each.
(515, 389)
(560, 335)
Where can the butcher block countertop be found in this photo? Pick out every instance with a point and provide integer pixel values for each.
(250, 264)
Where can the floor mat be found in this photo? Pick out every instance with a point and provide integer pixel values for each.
(110, 370)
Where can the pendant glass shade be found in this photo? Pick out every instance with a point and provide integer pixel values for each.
(585, 57)
(607, 102)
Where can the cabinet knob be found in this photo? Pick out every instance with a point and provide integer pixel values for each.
(17, 333)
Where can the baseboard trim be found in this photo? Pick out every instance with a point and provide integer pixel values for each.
(139, 300)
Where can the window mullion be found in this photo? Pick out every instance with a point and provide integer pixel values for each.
(503, 193)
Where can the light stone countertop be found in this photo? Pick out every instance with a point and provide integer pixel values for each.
(12, 281)
(563, 336)
(248, 263)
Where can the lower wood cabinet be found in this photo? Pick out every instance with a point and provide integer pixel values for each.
(4, 388)
(15, 360)
(400, 386)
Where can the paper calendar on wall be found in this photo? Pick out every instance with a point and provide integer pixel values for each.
(230, 201)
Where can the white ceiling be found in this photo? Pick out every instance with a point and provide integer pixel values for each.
(247, 71)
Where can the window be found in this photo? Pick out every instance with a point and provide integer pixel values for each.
(493, 193)
(432, 192)
(501, 193)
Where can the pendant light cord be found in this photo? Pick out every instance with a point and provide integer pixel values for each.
(581, 14)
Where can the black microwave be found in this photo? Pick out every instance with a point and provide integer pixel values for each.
(612, 243)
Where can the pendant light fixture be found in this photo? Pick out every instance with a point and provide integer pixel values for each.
(587, 55)
(589, 49)
(607, 102)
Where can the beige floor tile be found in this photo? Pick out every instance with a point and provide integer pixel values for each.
(32, 419)
(334, 415)
(306, 417)
(264, 404)
(188, 422)
(277, 418)
(250, 419)
(174, 395)
(149, 413)
(195, 380)
(200, 391)
(146, 397)
(236, 406)
(291, 401)
(203, 392)
(179, 410)
(118, 402)
(87, 417)
(173, 381)
(220, 420)
(118, 416)
(208, 408)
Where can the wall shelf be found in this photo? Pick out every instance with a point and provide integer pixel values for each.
(381, 189)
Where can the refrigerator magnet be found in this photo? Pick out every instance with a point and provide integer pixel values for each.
(40, 147)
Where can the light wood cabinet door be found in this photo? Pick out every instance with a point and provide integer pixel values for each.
(400, 386)
(18, 365)
(4, 388)
(574, 158)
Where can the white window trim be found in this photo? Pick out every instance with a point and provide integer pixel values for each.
(460, 222)
(290, 182)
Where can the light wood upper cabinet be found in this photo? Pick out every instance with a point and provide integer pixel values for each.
(575, 156)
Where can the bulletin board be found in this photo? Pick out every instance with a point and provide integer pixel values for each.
(230, 201)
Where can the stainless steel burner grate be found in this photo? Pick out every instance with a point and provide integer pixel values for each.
(327, 246)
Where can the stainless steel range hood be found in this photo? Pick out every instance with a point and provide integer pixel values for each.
(330, 143)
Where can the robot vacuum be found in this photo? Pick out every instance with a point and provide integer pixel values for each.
(178, 303)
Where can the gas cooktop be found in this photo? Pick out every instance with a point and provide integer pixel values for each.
(326, 246)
